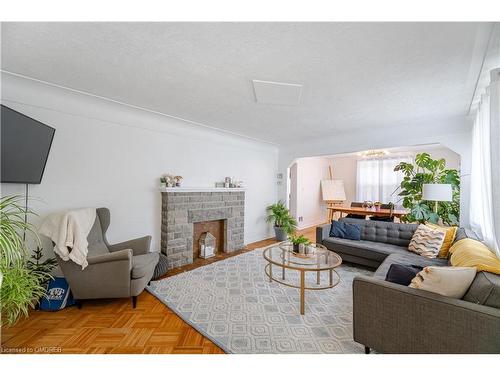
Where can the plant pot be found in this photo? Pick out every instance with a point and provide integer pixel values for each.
(296, 248)
(280, 233)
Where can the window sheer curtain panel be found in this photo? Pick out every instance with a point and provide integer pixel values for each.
(377, 181)
(485, 167)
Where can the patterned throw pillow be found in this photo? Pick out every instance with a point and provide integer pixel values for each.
(426, 241)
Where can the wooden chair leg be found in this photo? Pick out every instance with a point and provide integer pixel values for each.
(134, 302)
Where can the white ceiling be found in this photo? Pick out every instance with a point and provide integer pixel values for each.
(354, 75)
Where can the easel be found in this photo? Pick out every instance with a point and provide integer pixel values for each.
(330, 204)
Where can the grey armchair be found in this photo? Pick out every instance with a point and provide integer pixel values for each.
(114, 271)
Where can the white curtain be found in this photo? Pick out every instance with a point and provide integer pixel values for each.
(485, 167)
(377, 181)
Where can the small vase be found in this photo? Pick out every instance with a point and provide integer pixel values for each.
(296, 248)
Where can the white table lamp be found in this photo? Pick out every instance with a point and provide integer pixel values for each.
(437, 193)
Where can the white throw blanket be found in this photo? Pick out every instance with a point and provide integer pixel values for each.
(69, 231)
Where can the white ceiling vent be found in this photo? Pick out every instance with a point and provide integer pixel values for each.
(267, 92)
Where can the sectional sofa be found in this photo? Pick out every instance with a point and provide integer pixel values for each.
(392, 318)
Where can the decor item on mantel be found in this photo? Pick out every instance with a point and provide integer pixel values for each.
(178, 180)
(229, 182)
(167, 180)
(284, 223)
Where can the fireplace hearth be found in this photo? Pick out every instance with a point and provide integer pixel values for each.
(188, 213)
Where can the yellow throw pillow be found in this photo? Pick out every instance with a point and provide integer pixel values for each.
(449, 237)
(472, 253)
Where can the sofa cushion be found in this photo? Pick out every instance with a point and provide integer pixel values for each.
(449, 238)
(402, 274)
(426, 241)
(95, 239)
(341, 229)
(143, 264)
(378, 231)
(450, 282)
(409, 259)
(485, 290)
(472, 253)
(363, 249)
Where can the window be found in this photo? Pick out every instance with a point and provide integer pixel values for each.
(377, 181)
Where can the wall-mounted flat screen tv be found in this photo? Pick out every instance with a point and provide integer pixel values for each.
(25, 146)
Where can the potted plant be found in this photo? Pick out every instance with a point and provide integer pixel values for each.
(163, 182)
(426, 170)
(284, 223)
(22, 279)
(298, 242)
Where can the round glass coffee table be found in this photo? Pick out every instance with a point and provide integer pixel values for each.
(313, 258)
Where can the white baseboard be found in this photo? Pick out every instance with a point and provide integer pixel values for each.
(308, 225)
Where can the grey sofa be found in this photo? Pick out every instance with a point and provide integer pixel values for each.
(392, 318)
(114, 271)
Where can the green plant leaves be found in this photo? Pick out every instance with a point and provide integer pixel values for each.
(22, 286)
(428, 171)
(297, 240)
(280, 216)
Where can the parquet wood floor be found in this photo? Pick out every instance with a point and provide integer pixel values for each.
(112, 326)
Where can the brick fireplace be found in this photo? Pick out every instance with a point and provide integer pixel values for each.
(216, 209)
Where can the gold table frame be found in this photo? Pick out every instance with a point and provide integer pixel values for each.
(287, 251)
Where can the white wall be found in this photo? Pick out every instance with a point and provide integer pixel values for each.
(310, 206)
(453, 133)
(345, 169)
(107, 154)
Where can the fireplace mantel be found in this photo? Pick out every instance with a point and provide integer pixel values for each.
(199, 190)
(182, 207)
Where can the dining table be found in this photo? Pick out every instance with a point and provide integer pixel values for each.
(367, 211)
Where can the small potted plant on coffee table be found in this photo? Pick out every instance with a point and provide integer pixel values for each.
(298, 242)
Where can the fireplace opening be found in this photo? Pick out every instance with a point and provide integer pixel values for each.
(208, 233)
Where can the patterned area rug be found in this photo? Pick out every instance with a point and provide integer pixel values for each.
(232, 303)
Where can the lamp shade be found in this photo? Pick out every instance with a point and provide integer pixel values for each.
(437, 192)
(333, 190)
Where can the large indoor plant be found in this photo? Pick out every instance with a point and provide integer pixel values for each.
(426, 170)
(22, 286)
(284, 223)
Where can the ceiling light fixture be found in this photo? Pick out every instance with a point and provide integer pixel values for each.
(373, 153)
